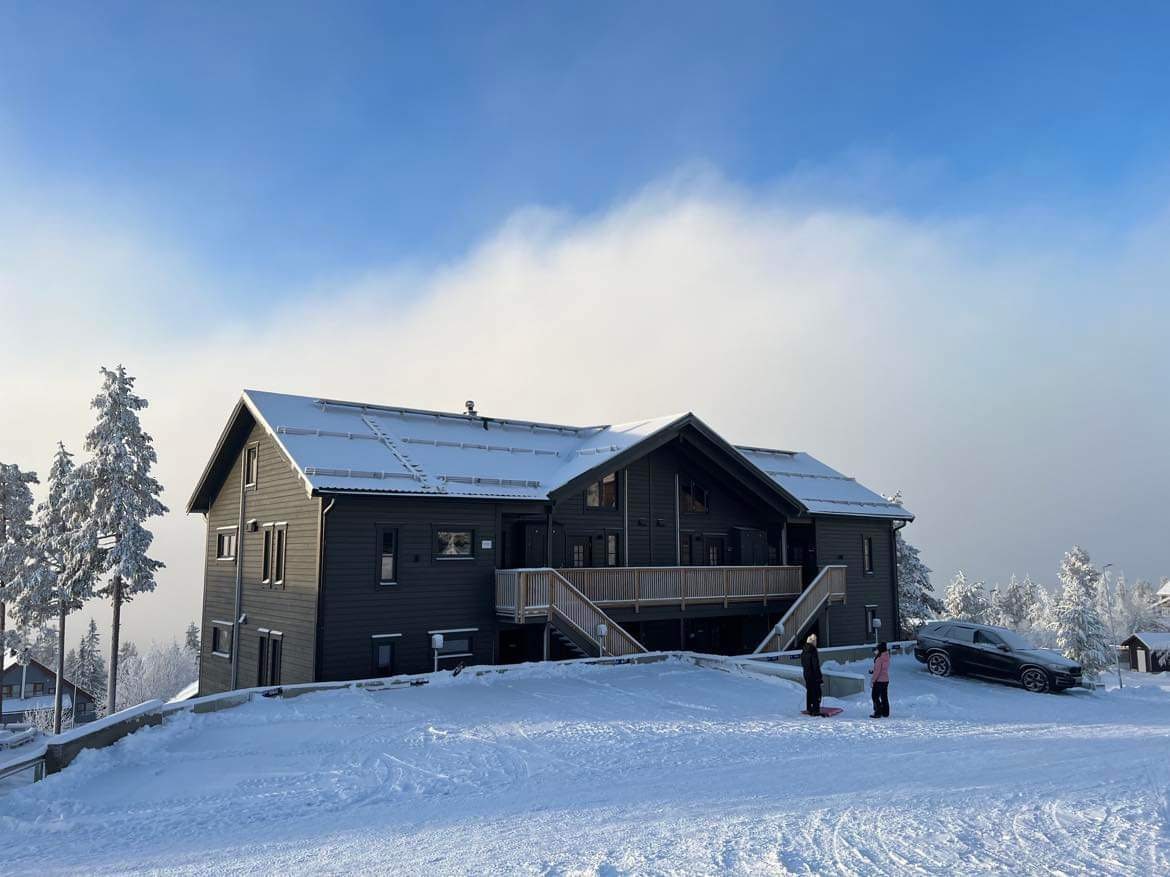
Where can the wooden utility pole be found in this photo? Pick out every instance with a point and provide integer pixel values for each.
(112, 688)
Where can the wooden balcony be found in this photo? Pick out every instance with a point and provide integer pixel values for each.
(524, 593)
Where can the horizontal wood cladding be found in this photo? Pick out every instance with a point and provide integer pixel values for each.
(279, 496)
(840, 540)
(430, 593)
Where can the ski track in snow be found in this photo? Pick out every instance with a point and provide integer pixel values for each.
(664, 768)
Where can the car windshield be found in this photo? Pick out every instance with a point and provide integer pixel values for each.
(1015, 641)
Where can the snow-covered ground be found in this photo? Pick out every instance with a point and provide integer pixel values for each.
(560, 769)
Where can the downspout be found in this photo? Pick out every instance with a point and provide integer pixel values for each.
(626, 516)
(319, 649)
(239, 571)
(677, 531)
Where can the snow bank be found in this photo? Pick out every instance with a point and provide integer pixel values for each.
(642, 768)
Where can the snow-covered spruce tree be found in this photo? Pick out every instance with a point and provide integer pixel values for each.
(16, 531)
(965, 600)
(125, 495)
(162, 671)
(916, 601)
(91, 667)
(1139, 609)
(192, 644)
(1019, 604)
(61, 576)
(1080, 633)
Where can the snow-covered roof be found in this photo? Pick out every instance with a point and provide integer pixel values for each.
(40, 702)
(349, 446)
(1154, 640)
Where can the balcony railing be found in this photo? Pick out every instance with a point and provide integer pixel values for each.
(524, 592)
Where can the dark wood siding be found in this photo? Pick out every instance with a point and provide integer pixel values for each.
(279, 496)
(431, 594)
(839, 540)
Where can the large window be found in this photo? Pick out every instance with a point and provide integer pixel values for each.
(251, 465)
(867, 554)
(454, 542)
(221, 639)
(602, 494)
(225, 543)
(387, 556)
(693, 498)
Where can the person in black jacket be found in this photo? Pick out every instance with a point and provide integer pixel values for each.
(810, 663)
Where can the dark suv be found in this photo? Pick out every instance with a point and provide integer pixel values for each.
(947, 647)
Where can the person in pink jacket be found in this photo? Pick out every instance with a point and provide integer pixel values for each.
(881, 682)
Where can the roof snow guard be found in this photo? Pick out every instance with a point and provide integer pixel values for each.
(355, 447)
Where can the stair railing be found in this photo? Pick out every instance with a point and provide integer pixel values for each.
(828, 586)
(568, 605)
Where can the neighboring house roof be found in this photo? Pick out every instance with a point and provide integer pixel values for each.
(1154, 640)
(12, 661)
(40, 702)
(355, 447)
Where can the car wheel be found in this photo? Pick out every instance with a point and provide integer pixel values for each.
(1034, 680)
(939, 663)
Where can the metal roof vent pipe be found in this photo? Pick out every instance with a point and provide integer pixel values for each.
(470, 405)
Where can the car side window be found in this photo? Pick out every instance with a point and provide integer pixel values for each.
(962, 634)
(985, 639)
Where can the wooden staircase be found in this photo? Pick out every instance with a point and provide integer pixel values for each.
(828, 587)
(544, 594)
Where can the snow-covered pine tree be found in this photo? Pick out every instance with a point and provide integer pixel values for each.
(162, 671)
(192, 644)
(916, 601)
(1080, 633)
(125, 495)
(91, 667)
(127, 651)
(16, 531)
(1019, 604)
(965, 600)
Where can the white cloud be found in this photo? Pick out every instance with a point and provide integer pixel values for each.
(1011, 384)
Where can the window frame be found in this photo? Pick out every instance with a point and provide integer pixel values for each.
(383, 639)
(599, 486)
(220, 534)
(436, 529)
(219, 630)
(251, 464)
(266, 540)
(274, 554)
(270, 656)
(686, 498)
(380, 531)
(867, 567)
(467, 633)
(616, 554)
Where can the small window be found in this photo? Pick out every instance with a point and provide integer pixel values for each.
(266, 557)
(867, 554)
(684, 549)
(221, 639)
(225, 544)
(388, 556)
(452, 543)
(693, 498)
(602, 494)
(870, 615)
(454, 645)
(7, 690)
(382, 656)
(611, 549)
(251, 465)
(37, 689)
(279, 545)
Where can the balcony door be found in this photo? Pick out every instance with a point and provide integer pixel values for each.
(580, 551)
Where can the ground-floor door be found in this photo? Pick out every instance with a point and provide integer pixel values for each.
(1142, 665)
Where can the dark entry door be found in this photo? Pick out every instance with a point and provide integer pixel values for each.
(716, 550)
(580, 551)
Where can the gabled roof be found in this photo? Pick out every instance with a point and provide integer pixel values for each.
(1154, 640)
(341, 446)
(11, 661)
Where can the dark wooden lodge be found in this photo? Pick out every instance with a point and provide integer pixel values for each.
(342, 537)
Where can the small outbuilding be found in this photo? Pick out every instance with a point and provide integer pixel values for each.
(1149, 651)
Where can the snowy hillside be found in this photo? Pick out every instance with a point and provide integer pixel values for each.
(656, 768)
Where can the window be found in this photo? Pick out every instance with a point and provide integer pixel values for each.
(578, 558)
(611, 549)
(453, 543)
(455, 645)
(387, 556)
(693, 498)
(867, 554)
(714, 553)
(986, 639)
(221, 639)
(684, 549)
(962, 634)
(225, 544)
(36, 689)
(382, 655)
(269, 649)
(7, 689)
(266, 557)
(272, 554)
(251, 465)
(870, 615)
(602, 494)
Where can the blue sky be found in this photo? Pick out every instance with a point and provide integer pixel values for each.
(297, 140)
(926, 242)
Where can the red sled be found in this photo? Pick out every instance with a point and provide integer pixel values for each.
(825, 711)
